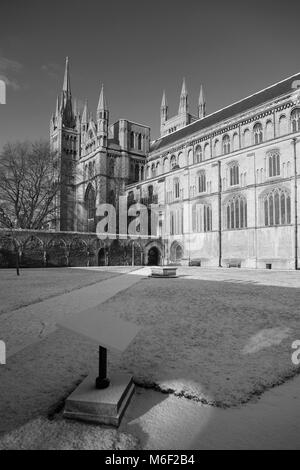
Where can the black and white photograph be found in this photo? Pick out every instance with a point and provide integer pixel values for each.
(149, 228)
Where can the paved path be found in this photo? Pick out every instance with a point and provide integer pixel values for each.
(27, 325)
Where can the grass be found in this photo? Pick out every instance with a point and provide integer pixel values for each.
(34, 285)
(218, 343)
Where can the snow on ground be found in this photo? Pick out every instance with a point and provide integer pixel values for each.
(167, 422)
(219, 343)
(43, 434)
(207, 340)
(35, 285)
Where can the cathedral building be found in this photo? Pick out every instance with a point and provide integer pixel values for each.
(96, 160)
(224, 186)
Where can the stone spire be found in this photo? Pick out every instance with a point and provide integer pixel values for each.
(66, 101)
(102, 104)
(163, 111)
(201, 104)
(67, 83)
(85, 115)
(183, 104)
(102, 119)
(164, 101)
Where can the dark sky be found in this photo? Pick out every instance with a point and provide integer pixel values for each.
(138, 48)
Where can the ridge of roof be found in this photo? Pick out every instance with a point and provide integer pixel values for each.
(255, 99)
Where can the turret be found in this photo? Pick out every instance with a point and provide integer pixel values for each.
(183, 103)
(201, 104)
(163, 111)
(102, 119)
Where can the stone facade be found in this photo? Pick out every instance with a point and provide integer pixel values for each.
(97, 160)
(225, 185)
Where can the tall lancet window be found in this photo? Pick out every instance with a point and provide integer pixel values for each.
(234, 174)
(258, 133)
(201, 182)
(198, 154)
(226, 144)
(274, 163)
(140, 142)
(90, 200)
(277, 208)
(132, 140)
(295, 120)
(236, 213)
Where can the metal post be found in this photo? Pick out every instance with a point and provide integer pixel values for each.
(220, 212)
(102, 381)
(132, 254)
(295, 204)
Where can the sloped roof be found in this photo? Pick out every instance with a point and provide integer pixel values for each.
(257, 99)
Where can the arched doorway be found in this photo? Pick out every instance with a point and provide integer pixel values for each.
(154, 257)
(179, 253)
(176, 252)
(102, 257)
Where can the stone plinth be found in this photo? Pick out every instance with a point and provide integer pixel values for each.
(164, 271)
(106, 406)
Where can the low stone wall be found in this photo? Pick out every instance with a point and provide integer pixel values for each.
(38, 249)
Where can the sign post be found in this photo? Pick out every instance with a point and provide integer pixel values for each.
(102, 381)
(98, 398)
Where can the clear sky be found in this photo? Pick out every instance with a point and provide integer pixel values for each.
(137, 49)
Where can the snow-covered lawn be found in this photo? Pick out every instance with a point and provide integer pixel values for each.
(220, 343)
(42, 434)
(216, 342)
(34, 285)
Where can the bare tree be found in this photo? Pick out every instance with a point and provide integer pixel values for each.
(29, 185)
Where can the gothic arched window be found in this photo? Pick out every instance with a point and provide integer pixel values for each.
(235, 141)
(258, 133)
(216, 148)
(274, 163)
(236, 213)
(246, 138)
(166, 165)
(234, 174)
(202, 182)
(269, 130)
(282, 125)
(132, 140)
(153, 170)
(173, 162)
(136, 172)
(140, 142)
(295, 120)
(201, 218)
(90, 208)
(176, 188)
(277, 208)
(226, 144)
(206, 151)
(198, 154)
